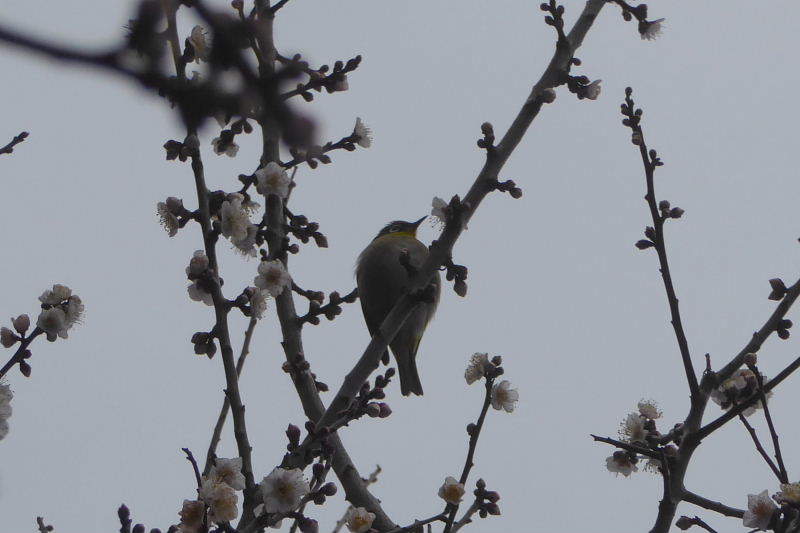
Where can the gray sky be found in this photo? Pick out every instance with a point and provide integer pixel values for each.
(555, 284)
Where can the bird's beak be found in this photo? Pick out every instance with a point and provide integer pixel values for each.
(418, 222)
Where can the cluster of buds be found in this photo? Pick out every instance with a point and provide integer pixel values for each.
(669, 212)
(330, 310)
(204, 343)
(317, 436)
(303, 230)
(487, 142)
(322, 78)
(510, 187)
(364, 404)
(486, 500)
(298, 368)
(458, 275)
(555, 18)
(182, 150)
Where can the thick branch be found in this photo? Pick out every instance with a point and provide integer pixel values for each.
(441, 249)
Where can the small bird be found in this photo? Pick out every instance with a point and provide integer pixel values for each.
(382, 280)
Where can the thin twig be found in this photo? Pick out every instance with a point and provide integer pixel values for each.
(191, 459)
(783, 476)
(7, 149)
(474, 435)
(417, 523)
(21, 352)
(467, 518)
(627, 446)
(226, 404)
(750, 429)
(711, 505)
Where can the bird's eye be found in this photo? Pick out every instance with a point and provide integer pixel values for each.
(394, 229)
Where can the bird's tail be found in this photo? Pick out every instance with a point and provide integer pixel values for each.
(409, 377)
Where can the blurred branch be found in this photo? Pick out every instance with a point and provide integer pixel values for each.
(7, 149)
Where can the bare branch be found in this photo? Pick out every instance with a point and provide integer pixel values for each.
(226, 404)
(711, 505)
(7, 149)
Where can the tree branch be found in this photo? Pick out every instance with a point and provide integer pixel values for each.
(711, 505)
(7, 149)
(226, 404)
(735, 410)
(440, 250)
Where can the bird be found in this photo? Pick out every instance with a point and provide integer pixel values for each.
(382, 280)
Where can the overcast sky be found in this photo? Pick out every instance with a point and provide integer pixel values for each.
(555, 284)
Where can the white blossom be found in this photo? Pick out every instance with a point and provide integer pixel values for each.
(504, 397)
(451, 490)
(8, 338)
(230, 149)
(74, 311)
(191, 516)
(198, 294)
(632, 428)
(475, 369)
(53, 322)
(650, 30)
(282, 490)
(272, 179)
(621, 463)
(197, 264)
(592, 91)
(200, 44)
(228, 471)
(247, 246)
(759, 510)
(341, 85)
(789, 493)
(359, 520)
(258, 301)
(233, 218)
(363, 134)
(58, 294)
(272, 277)
(438, 211)
(21, 323)
(649, 409)
(739, 387)
(221, 500)
(168, 221)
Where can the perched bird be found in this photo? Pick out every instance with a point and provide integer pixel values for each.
(382, 280)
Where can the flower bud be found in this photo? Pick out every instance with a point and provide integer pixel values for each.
(8, 338)
(21, 323)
